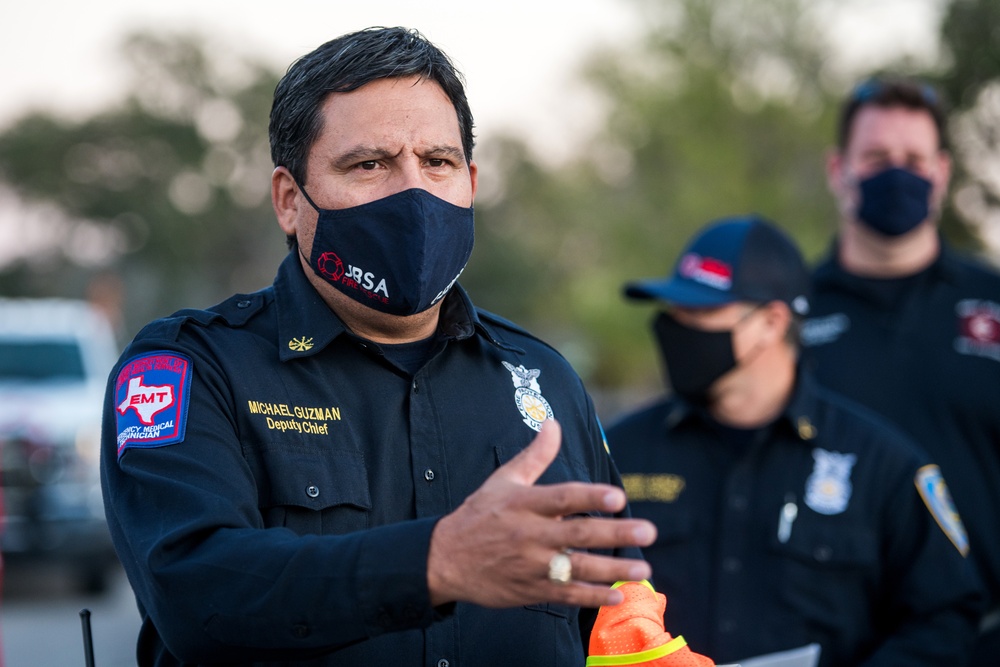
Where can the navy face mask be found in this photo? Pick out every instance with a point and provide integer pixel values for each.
(894, 202)
(399, 255)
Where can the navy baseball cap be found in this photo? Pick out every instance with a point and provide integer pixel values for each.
(733, 259)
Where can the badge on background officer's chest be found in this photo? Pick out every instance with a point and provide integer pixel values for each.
(828, 488)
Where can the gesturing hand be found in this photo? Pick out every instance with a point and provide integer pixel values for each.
(494, 549)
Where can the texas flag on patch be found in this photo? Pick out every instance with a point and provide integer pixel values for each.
(151, 400)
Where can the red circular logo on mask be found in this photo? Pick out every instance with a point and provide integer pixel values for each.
(330, 266)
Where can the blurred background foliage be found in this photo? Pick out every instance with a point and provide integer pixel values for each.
(720, 107)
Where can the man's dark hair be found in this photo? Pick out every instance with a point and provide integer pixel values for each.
(892, 91)
(348, 63)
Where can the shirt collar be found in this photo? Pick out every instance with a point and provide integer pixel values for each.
(830, 271)
(306, 324)
(799, 415)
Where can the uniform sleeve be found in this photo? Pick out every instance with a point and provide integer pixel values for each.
(216, 583)
(934, 598)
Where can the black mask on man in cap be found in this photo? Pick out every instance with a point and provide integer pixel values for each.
(694, 358)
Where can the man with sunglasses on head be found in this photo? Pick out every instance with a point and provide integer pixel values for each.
(904, 324)
(786, 515)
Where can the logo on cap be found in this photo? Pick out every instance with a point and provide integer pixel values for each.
(707, 271)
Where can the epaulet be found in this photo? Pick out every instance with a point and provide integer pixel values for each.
(493, 318)
(509, 327)
(235, 311)
(238, 309)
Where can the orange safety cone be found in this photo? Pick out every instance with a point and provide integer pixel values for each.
(632, 633)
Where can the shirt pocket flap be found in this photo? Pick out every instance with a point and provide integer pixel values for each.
(311, 478)
(835, 546)
(673, 525)
(561, 470)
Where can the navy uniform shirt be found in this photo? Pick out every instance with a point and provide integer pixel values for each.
(271, 483)
(924, 351)
(814, 529)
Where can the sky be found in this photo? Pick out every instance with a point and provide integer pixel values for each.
(520, 57)
(61, 54)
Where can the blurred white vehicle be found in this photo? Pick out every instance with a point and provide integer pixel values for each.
(55, 356)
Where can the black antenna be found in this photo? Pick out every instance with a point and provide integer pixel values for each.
(88, 639)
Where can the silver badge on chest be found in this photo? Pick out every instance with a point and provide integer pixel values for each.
(828, 488)
(528, 396)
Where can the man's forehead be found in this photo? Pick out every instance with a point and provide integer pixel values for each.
(895, 126)
(384, 106)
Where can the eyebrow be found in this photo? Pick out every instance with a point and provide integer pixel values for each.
(359, 154)
(444, 151)
(363, 153)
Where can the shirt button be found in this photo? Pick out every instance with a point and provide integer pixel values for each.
(300, 631)
(732, 565)
(727, 627)
(312, 491)
(243, 304)
(443, 663)
(823, 554)
(738, 503)
(429, 475)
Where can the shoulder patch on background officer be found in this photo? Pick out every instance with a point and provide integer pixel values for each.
(930, 484)
(978, 328)
(151, 400)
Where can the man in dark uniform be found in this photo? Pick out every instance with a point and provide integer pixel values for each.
(901, 322)
(355, 466)
(786, 515)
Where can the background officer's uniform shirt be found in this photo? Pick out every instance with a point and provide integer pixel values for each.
(294, 517)
(860, 565)
(924, 351)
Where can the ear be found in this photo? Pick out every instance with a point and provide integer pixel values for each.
(285, 199)
(474, 177)
(834, 171)
(777, 318)
(941, 178)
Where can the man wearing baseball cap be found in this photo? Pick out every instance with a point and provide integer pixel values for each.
(787, 515)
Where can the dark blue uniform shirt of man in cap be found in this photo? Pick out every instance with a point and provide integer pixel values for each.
(904, 324)
(786, 514)
(355, 466)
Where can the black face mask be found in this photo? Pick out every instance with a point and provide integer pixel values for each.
(695, 359)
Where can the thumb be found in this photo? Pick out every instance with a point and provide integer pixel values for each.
(533, 460)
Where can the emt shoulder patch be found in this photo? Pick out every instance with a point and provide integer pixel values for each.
(930, 484)
(151, 400)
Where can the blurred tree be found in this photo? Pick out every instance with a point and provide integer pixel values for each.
(971, 36)
(720, 107)
(717, 110)
(171, 190)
